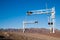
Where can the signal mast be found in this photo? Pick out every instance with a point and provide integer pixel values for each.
(28, 22)
(51, 17)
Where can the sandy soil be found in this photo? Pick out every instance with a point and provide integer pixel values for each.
(29, 35)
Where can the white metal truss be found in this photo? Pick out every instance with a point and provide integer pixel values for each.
(51, 19)
(28, 22)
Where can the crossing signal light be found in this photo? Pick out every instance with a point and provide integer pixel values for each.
(50, 23)
(29, 12)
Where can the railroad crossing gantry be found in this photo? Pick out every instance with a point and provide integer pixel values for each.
(28, 22)
(51, 17)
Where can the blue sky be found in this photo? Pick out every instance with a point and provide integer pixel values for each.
(13, 12)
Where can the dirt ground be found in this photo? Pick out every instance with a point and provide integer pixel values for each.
(28, 36)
